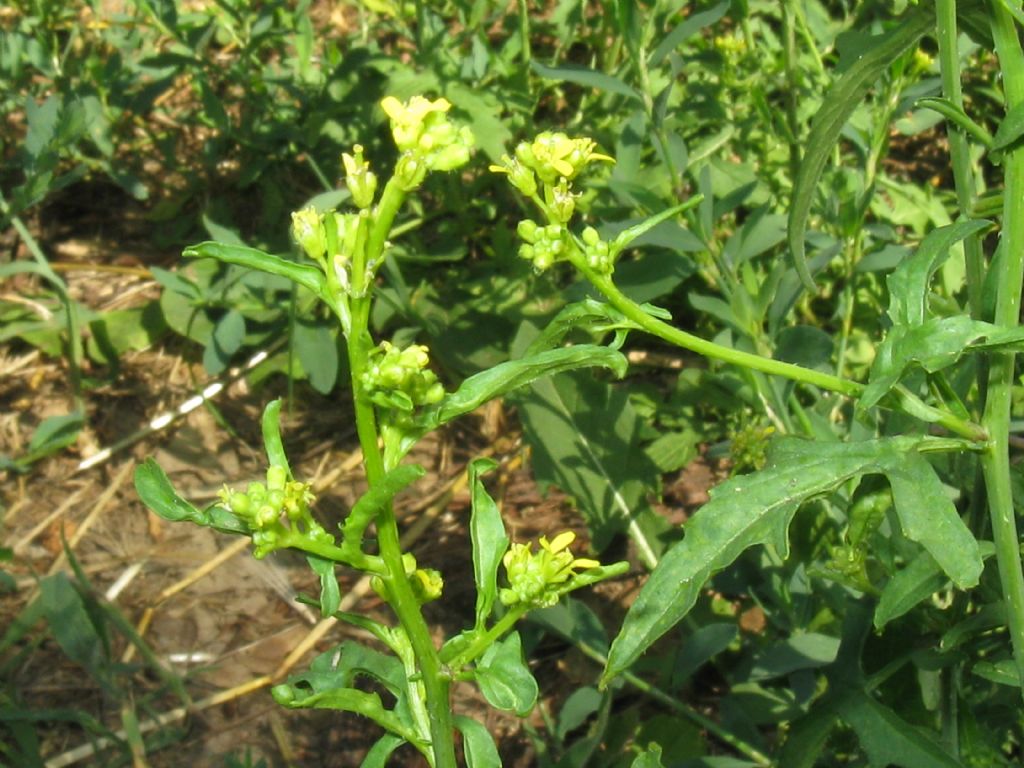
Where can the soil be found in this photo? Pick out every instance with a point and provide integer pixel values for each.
(235, 621)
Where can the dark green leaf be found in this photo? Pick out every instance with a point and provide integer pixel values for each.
(227, 337)
(71, 624)
(743, 512)
(841, 100)
(574, 621)
(700, 647)
(487, 531)
(585, 437)
(577, 709)
(887, 738)
(318, 353)
(504, 679)
(588, 78)
(1002, 672)
(686, 29)
(807, 650)
(928, 517)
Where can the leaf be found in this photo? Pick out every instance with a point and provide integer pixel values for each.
(508, 376)
(649, 758)
(806, 650)
(955, 114)
(303, 274)
(577, 709)
(271, 426)
(379, 753)
(477, 743)
(928, 517)
(71, 625)
(686, 29)
(743, 512)
(158, 494)
(504, 679)
(318, 353)
(887, 738)
(934, 345)
(705, 643)
(585, 437)
(575, 621)
(841, 100)
(1011, 128)
(588, 78)
(228, 334)
(908, 284)
(330, 593)
(53, 434)
(487, 531)
(1002, 672)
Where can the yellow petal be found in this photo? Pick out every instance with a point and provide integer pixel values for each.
(392, 107)
(585, 562)
(562, 540)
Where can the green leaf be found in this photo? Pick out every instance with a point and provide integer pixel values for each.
(481, 752)
(686, 29)
(487, 531)
(585, 437)
(934, 345)
(303, 274)
(955, 114)
(271, 424)
(1002, 672)
(71, 624)
(318, 353)
(928, 517)
(158, 494)
(330, 593)
(908, 284)
(841, 100)
(577, 709)
(649, 758)
(806, 650)
(228, 334)
(53, 434)
(705, 643)
(585, 76)
(379, 753)
(504, 679)
(743, 512)
(887, 738)
(575, 621)
(1011, 128)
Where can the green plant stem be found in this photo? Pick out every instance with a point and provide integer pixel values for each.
(709, 349)
(485, 640)
(360, 561)
(963, 175)
(995, 461)
(436, 684)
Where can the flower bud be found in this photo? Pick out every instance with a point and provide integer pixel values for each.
(308, 231)
(361, 181)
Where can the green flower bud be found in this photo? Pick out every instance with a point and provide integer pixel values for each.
(361, 181)
(410, 170)
(308, 231)
(427, 584)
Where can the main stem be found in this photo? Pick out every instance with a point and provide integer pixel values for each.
(995, 460)
(436, 683)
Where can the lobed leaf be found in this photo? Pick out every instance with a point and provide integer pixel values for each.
(933, 345)
(758, 508)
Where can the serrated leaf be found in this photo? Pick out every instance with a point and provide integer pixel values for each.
(585, 76)
(928, 517)
(303, 274)
(934, 345)
(504, 679)
(843, 97)
(743, 512)
(887, 738)
(481, 752)
(908, 284)
(487, 531)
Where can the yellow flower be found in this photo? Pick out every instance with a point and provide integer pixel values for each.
(538, 578)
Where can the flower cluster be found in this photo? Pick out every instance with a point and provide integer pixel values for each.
(426, 138)
(550, 157)
(542, 245)
(537, 579)
(400, 379)
(266, 507)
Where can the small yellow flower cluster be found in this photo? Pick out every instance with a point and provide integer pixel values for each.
(550, 157)
(535, 578)
(426, 138)
(400, 379)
